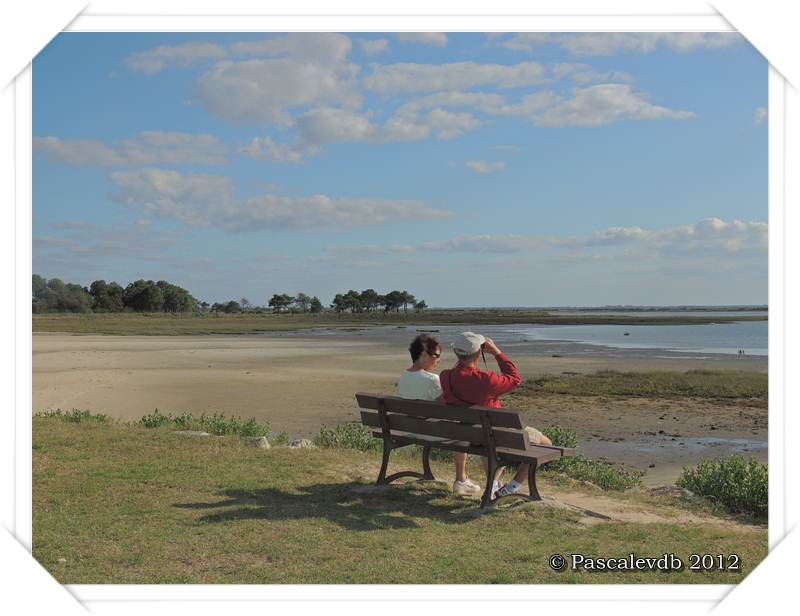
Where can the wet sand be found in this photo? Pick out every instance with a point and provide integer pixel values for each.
(300, 383)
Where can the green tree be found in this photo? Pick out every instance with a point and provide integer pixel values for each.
(352, 301)
(369, 299)
(303, 302)
(420, 305)
(393, 301)
(407, 299)
(338, 303)
(280, 302)
(143, 296)
(316, 305)
(106, 297)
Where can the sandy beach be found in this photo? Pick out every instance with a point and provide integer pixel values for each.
(300, 383)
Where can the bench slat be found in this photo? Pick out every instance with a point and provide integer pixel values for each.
(500, 418)
(441, 443)
(446, 429)
(533, 452)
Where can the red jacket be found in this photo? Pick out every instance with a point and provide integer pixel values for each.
(463, 386)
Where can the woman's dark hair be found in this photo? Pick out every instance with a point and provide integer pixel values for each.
(423, 342)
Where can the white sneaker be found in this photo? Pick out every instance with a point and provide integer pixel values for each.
(512, 487)
(462, 488)
(473, 484)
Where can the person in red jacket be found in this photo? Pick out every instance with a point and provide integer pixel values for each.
(467, 385)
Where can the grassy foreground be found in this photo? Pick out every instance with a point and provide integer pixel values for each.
(162, 324)
(118, 503)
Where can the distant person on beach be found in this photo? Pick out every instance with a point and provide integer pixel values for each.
(419, 383)
(467, 385)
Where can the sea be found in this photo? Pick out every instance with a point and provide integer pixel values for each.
(669, 341)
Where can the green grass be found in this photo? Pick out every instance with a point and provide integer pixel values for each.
(731, 386)
(120, 503)
(179, 324)
(737, 483)
(217, 423)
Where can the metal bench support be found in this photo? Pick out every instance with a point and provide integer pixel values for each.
(389, 445)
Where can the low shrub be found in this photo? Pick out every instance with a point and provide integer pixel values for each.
(348, 436)
(737, 483)
(561, 437)
(604, 474)
(155, 419)
(601, 472)
(217, 423)
(73, 416)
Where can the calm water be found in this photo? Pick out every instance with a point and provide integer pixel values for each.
(588, 340)
(727, 338)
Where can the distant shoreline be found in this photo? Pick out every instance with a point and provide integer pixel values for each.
(214, 323)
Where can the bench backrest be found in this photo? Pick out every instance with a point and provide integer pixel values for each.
(473, 424)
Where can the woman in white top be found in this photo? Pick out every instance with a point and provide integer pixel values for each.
(419, 383)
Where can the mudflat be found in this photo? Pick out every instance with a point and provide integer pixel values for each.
(300, 383)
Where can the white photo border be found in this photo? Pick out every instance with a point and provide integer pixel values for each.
(699, 595)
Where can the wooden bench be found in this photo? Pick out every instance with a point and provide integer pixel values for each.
(497, 434)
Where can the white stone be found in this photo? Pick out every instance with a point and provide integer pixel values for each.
(301, 443)
(256, 441)
(192, 432)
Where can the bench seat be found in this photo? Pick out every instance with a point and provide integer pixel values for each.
(496, 434)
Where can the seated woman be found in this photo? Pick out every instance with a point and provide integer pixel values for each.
(419, 383)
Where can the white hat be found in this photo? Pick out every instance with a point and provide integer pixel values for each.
(467, 343)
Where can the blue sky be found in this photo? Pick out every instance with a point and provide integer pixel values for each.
(469, 169)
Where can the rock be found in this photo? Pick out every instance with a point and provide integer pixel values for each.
(661, 432)
(256, 441)
(301, 443)
(712, 427)
(651, 465)
(192, 432)
(62, 561)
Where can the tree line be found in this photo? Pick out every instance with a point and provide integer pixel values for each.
(371, 301)
(54, 295)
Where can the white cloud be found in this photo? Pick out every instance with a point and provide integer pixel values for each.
(209, 201)
(264, 91)
(607, 43)
(603, 104)
(710, 236)
(584, 73)
(147, 148)
(264, 148)
(449, 124)
(329, 125)
(760, 116)
(152, 61)
(437, 39)
(410, 77)
(373, 47)
(486, 166)
(90, 241)
(317, 47)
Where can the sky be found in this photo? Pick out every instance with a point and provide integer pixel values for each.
(470, 169)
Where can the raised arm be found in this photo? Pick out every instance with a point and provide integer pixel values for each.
(509, 377)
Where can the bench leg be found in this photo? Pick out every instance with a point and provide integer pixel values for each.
(486, 499)
(387, 449)
(426, 464)
(532, 481)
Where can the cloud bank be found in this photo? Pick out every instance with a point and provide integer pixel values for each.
(210, 201)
